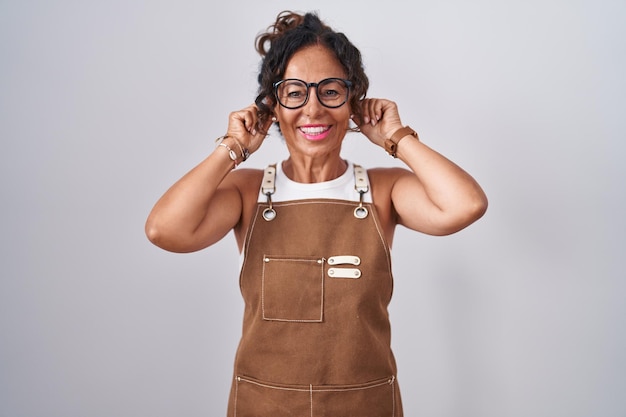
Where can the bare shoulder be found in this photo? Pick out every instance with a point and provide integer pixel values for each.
(245, 178)
(386, 176)
(382, 181)
(247, 181)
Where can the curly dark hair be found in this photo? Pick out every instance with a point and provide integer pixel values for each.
(290, 33)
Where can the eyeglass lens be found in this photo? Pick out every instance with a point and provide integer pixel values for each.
(331, 92)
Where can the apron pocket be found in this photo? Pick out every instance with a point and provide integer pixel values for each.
(254, 398)
(293, 289)
(373, 399)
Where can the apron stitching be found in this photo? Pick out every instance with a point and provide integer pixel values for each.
(246, 247)
(260, 384)
(268, 258)
(236, 394)
(386, 249)
(319, 388)
(380, 384)
(393, 398)
(315, 201)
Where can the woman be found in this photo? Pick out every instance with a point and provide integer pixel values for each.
(314, 230)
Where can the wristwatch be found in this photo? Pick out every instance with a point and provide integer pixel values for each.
(391, 144)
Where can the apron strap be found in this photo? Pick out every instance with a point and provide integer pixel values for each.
(361, 183)
(362, 186)
(268, 187)
(269, 180)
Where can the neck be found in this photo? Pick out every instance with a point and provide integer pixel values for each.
(310, 171)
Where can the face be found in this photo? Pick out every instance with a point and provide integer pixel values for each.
(313, 130)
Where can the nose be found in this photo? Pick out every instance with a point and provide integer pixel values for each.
(313, 105)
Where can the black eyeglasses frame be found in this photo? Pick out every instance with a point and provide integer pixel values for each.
(348, 84)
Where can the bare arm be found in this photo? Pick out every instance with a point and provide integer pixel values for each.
(436, 196)
(207, 202)
(199, 209)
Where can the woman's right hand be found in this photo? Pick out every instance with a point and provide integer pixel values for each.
(242, 126)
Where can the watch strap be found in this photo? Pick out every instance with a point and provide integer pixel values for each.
(391, 144)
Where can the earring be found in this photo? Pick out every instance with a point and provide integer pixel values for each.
(274, 118)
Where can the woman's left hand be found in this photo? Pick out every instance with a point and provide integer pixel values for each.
(380, 119)
(436, 196)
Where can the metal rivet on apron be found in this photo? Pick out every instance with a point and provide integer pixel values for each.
(360, 212)
(269, 214)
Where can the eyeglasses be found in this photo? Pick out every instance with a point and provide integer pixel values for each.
(331, 92)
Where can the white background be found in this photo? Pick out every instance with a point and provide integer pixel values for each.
(103, 105)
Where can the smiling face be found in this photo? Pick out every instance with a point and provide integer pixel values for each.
(313, 130)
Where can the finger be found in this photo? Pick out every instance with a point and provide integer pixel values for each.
(365, 113)
(372, 111)
(250, 119)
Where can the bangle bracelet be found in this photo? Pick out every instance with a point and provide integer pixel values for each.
(232, 154)
(391, 144)
(245, 153)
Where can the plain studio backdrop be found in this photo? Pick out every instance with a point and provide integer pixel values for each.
(103, 105)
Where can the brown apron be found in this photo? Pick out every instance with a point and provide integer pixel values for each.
(316, 280)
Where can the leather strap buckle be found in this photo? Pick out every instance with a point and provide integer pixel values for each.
(391, 144)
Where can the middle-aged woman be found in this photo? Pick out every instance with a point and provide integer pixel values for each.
(314, 230)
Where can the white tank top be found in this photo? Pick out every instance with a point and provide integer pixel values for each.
(341, 188)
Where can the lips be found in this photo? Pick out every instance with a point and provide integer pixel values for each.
(316, 132)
